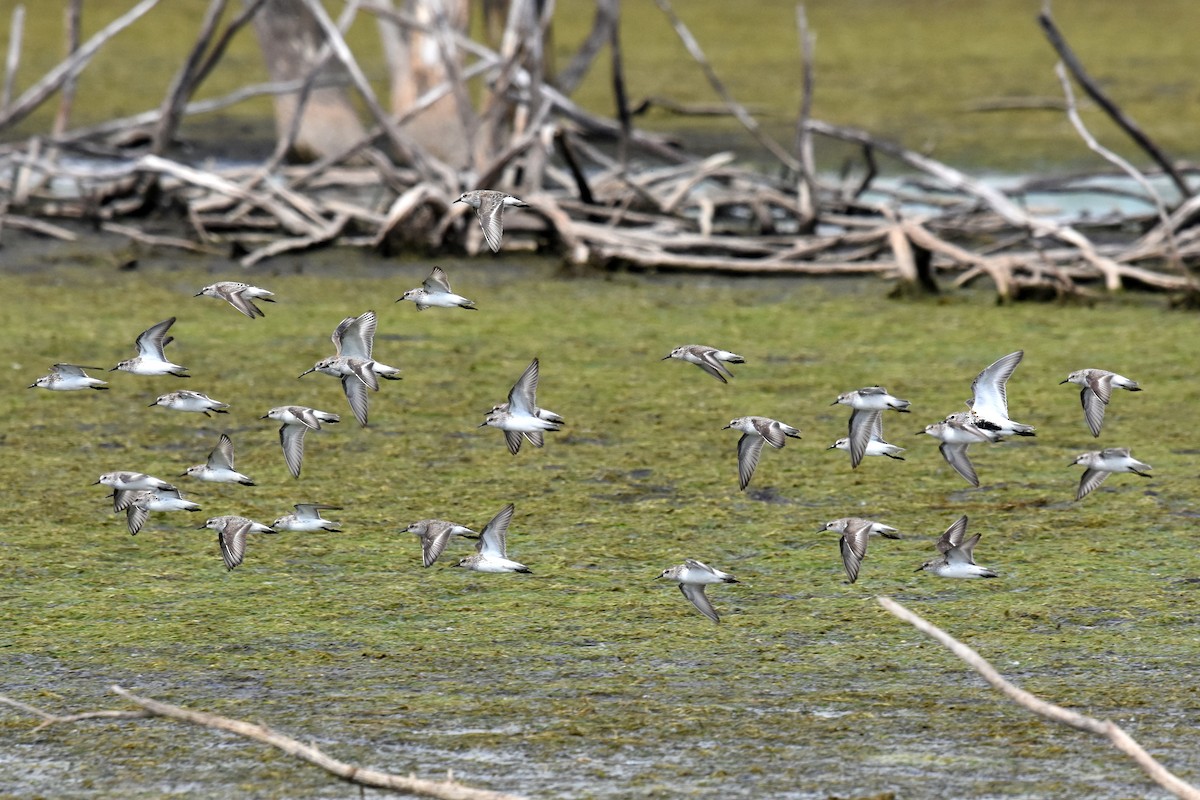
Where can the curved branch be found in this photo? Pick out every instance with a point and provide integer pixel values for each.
(1106, 728)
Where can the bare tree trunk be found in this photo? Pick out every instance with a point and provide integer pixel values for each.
(291, 39)
(419, 60)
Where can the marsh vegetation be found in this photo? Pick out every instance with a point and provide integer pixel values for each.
(588, 678)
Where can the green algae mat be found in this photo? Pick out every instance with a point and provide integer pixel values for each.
(589, 678)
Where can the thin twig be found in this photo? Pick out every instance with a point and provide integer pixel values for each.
(1105, 728)
(739, 111)
(184, 83)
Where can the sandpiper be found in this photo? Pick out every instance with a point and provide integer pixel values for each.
(231, 536)
(125, 481)
(1101, 463)
(139, 505)
(354, 341)
(989, 398)
(956, 432)
(692, 576)
(855, 532)
(491, 552)
(489, 206)
(297, 421)
(1097, 391)
(307, 518)
(186, 400)
(434, 534)
(150, 359)
(958, 555)
(876, 446)
(868, 403)
(219, 466)
(435, 291)
(68, 378)
(239, 295)
(710, 359)
(755, 431)
(520, 416)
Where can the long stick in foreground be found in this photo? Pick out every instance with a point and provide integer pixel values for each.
(1106, 728)
(447, 790)
(442, 790)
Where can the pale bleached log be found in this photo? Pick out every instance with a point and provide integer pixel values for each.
(39, 226)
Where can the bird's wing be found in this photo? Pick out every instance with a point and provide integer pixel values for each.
(490, 221)
(522, 398)
(222, 455)
(956, 456)
(713, 365)
(1093, 409)
(954, 535)
(356, 394)
(1102, 386)
(862, 423)
(989, 392)
(135, 517)
(963, 553)
(150, 342)
(1090, 480)
(433, 544)
(233, 544)
(494, 539)
(749, 450)
(291, 438)
(242, 303)
(695, 593)
(437, 282)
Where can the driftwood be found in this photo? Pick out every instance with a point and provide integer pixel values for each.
(1030, 702)
(360, 776)
(644, 204)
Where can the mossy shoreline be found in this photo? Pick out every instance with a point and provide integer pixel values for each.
(588, 678)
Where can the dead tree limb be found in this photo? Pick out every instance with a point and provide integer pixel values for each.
(739, 111)
(182, 85)
(1095, 146)
(1059, 42)
(1030, 702)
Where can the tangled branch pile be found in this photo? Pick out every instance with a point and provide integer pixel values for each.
(601, 192)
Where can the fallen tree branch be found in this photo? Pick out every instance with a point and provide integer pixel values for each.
(1030, 702)
(442, 790)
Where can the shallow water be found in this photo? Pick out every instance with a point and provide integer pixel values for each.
(588, 678)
